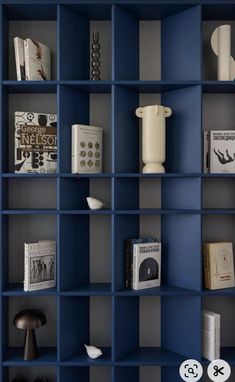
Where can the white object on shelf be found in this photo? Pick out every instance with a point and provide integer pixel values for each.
(93, 352)
(153, 136)
(94, 204)
(221, 45)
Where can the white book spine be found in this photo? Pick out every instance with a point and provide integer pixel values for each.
(135, 268)
(74, 146)
(19, 57)
(26, 56)
(26, 265)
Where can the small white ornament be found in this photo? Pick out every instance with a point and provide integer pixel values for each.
(94, 204)
(93, 352)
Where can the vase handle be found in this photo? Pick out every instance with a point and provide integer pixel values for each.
(167, 112)
(139, 112)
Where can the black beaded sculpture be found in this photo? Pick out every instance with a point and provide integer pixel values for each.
(95, 57)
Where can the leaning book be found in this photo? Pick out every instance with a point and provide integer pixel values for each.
(39, 265)
(35, 142)
(37, 61)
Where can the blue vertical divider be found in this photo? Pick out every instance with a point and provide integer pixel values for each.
(181, 45)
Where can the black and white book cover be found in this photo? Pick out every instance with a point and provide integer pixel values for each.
(35, 142)
(37, 60)
(39, 265)
(222, 151)
(146, 265)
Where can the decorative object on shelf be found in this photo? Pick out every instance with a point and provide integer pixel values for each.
(30, 320)
(153, 136)
(94, 204)
(93, 352)
(95, 57)
(221, 45)
(86, 149)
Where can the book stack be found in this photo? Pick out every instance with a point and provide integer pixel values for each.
(143, 263)
(219, 151)
(33, 60)
(39, 265)
(210, 335)
(218, 265)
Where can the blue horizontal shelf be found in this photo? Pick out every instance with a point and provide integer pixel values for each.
(87, 212)
(82, 359)
(92, 289)
(227, 354)
(48, 211)
(32, 175)
(16, 289)
(152, 356)
(47, 356)
(219, 292)
(30, 86)
(164, 290)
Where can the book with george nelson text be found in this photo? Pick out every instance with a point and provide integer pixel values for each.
(35, 142)
(39, 265)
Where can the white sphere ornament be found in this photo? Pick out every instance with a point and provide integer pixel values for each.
(94, 204)
(93, 352)
(221, 45)
(153, 137)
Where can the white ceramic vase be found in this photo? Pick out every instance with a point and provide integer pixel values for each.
(221, 45)
(153, 137)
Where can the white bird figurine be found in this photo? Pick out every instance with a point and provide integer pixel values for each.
(93, 203)
(93, 352)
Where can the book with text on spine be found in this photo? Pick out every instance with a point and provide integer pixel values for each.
(39, 265)
(210, 335)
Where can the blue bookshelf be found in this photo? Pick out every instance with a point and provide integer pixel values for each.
(78, 301)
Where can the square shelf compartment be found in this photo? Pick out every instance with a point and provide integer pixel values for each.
(85, 254)
(223, 198)
(38, 100)
(18, 229)
(146, 37)
(29, 193)
(13, 338)
(29, 373)
(181, 248)
(85, 320)
(85, 105)
(74, 46)
(146, 374)
(225, 307)
(183, 135)
(28, 21)
(148, 322)
(214, 16)
(86, 374)
(74, 191)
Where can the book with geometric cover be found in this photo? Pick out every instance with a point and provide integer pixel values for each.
(39, 265)
(35, 142)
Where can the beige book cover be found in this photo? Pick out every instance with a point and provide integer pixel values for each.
(218, 258)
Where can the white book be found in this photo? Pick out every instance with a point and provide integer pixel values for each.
(206, 140)
(222, 151)
(39, 265)
(86, 149)
(146, 265)
(37, 61)
(210, 335)
(19, 58)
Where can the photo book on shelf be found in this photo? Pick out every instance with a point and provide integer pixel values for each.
(218, 265)
(39, 265)
(219, 151)
(33, 60)
(35, 142)
(86, 149)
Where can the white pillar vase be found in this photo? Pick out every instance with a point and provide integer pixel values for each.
(221, 45)
(153, 137)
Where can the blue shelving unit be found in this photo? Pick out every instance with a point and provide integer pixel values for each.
(182, 212)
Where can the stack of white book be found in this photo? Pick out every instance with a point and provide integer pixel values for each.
(210, 335)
